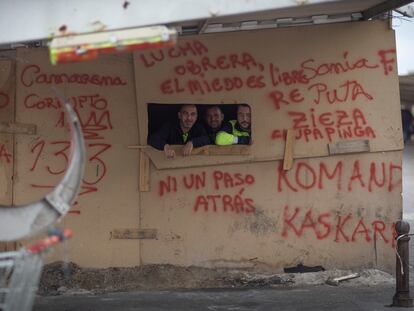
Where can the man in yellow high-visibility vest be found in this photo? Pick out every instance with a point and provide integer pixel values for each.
(236, 131)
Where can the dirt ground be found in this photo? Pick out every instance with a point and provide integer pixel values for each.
(60, 278)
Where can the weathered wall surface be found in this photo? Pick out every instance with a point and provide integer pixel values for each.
(7, 93)
(329, 83)
(7, 90)
(103, 96)
(335, 211)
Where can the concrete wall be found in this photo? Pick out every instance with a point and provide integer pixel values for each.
(330, 84)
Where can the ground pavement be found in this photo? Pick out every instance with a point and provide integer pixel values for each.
(313, 298)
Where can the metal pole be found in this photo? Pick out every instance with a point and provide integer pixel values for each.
(402, 295)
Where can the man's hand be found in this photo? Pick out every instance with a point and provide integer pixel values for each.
(169, 152)
(188, 147)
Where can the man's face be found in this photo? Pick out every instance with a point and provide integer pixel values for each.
(187, 117)
(244, 117)
(214, 117)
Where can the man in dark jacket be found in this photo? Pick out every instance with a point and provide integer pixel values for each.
(185, 131)
(214, 119)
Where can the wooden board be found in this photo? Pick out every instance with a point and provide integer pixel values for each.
(17, 128)
(144, 172)
(134, 234)
(330, 83)
(350, 146)
(288, 157)
(102, 93)
(323, 211)
(7, 90)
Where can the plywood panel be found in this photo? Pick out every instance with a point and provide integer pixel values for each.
(102, 93)
(144, 174)
(7, 89)
(329, 83)
(288, 153)
(335, 211)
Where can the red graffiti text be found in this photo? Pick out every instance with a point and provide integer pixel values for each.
(190, 48)
(5, 156)
(351, 90)
(344, 176)
(224, 203)
(4, 100)
(33, 74)
(299, 222)
(327, 125)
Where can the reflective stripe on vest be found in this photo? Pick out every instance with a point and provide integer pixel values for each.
(185, 137)
(235, 131)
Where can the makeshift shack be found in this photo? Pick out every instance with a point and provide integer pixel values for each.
(319, 185)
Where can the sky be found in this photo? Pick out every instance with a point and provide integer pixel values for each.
(404, 34)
